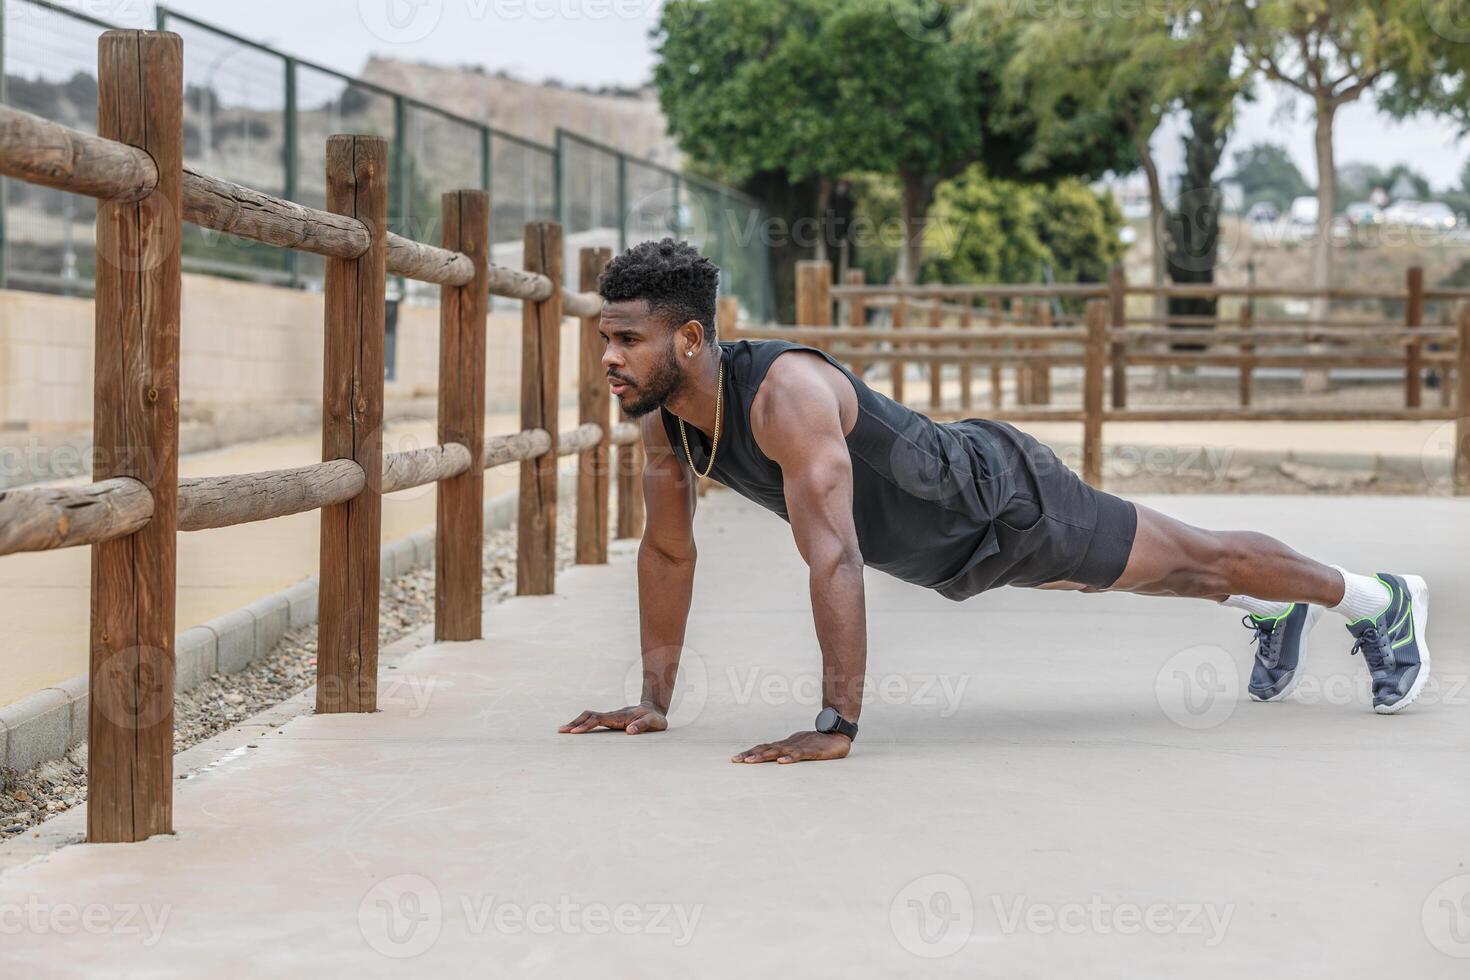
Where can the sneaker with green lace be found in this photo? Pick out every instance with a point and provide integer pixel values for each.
(1279, 641)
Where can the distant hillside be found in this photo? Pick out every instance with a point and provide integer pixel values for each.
(627, 119)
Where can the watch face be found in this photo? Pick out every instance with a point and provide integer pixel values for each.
(827, 719)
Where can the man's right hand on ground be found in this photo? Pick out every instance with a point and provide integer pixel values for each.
(634, 719)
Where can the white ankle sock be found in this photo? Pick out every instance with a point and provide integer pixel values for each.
(1363, 596)
(1263, 608)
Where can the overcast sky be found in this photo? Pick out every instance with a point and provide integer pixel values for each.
(597, 42)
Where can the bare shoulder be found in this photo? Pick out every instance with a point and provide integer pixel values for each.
(802, 392)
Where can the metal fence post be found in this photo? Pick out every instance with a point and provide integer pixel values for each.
(292, 188)
(485, 171)
(622, 203)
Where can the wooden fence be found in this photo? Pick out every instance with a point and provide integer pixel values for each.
(136, 503)
(1001, 328)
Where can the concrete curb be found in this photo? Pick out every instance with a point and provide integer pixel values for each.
(47, 724)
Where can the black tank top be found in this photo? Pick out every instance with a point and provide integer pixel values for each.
(924, 492)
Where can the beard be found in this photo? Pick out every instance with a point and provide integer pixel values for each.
(665, 382)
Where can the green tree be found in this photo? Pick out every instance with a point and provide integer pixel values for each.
(989, 230)
(1332, 53)
(1129, 68)
(794, 94)
(1266, 173)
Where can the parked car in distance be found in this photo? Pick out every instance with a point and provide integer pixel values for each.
(1435, 214)
(1403, 212)
(1263, 213)
(1304, 210)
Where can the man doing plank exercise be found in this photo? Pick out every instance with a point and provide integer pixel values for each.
(958, 507)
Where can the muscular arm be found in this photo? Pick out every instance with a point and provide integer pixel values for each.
(796, 419)
(666, 558)
(665, 585)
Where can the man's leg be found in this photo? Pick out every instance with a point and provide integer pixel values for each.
(1386, 614)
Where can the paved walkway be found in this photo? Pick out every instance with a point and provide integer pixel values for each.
(1046, 785)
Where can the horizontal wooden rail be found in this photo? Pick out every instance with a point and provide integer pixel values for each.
(244, 498)
(417, 467)
(869, 355)
(1209, 322)
(1305, 360)
(42, 152)
(1234, 413)
(43, 518)
(1394, 334)
(973, 291)
(1217, 291)
(909, 335)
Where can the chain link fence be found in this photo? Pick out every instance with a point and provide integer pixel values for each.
(259, 117)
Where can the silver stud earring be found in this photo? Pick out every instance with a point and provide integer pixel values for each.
(689, 353)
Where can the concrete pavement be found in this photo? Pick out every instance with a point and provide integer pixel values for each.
(1046, 784)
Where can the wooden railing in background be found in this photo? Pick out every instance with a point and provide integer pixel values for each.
(135, 504)
(1023, 335)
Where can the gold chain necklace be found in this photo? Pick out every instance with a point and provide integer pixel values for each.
(715, 442)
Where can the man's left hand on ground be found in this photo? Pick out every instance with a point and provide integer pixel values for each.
(798, 747)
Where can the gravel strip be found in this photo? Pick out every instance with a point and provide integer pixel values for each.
(226, 700)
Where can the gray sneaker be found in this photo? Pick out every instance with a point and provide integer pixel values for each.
(1279, 642)
(1394, 645)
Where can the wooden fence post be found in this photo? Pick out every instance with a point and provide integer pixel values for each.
(900, 320)
(1246, 370)
(1041, 387)
(966, 375)
(1118, 317)
(996, 394)
(1414, 349)
(1092, 391)
(857, 315)
(1461, 462)
(593, 405)
(135, 434)
(460, 508)
(1025, 316)
(936, 368)
(540, 371)
(352, 428)
(814, 296)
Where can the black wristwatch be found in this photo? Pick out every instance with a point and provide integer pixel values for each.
(828, 720)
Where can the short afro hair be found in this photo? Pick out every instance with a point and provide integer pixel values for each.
(679, 283)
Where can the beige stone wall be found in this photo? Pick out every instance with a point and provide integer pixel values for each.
(243, 347)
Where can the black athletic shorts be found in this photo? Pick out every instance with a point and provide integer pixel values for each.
(1053, 528)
